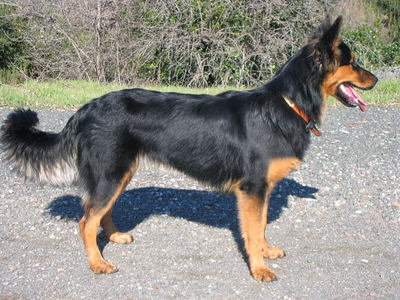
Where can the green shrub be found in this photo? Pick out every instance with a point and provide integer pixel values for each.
(193, 43)
(12, 45)
(205, 43)
(370, 49)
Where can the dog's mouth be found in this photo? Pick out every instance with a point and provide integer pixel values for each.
(346, 94)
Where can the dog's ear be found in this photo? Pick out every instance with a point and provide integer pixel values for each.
(328, 32)
(331, 35)
(325, 43)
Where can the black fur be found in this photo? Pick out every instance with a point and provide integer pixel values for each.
(216, 139)
(36, 153)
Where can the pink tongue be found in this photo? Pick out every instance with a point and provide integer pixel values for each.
(355, 97)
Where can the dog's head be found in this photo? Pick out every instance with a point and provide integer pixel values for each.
(338, 66)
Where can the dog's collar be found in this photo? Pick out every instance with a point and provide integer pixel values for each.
(311, 124)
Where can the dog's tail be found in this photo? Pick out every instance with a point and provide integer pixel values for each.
(42, 156)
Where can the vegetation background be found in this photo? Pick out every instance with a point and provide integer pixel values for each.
(192, 43)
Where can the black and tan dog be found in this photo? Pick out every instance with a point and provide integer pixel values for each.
(243, 142)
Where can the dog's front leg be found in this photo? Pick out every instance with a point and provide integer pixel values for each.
(269, 252)
(251, 224)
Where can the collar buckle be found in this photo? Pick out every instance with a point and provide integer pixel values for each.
(312, 125)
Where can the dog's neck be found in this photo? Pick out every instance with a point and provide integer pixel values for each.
(311, 124)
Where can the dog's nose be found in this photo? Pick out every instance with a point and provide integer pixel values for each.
(375, 79)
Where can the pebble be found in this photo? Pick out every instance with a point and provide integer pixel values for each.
(395, 204)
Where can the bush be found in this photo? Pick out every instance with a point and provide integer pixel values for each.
(184, 42)
(203, 43)
(370, 51)
(181, 42)
(12, 45)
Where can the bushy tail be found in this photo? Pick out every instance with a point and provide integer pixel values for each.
(43, 156)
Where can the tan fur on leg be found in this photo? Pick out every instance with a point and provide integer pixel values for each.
(111, 231)
(90, 223)
(277, 170)
(250, 213)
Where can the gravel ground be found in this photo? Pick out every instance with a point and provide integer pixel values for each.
(387, 73)
(338, 218)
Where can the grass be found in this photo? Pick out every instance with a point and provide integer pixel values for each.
(70, 94)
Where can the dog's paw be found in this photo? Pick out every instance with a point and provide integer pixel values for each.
(264, 274)
(273, 253)
(103, 267)
(121, 238)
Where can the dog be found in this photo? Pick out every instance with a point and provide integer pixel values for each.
(242, 142)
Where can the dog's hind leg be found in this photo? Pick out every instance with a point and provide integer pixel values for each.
(106, 222)
(250, 209)
(88, 226)
(90, 222)
(112, 232)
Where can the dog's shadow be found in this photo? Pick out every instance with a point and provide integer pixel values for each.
(210, 208)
